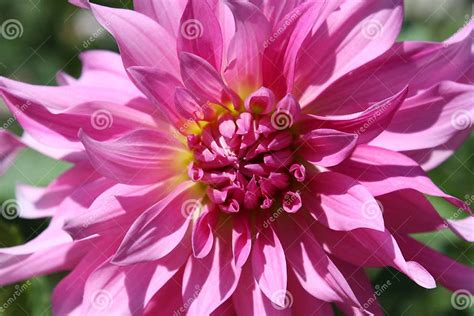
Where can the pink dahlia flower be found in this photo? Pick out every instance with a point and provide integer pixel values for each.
(243, 157)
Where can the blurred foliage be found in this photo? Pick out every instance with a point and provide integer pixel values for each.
(54, 33)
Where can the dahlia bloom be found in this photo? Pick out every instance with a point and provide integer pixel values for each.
(243, 158)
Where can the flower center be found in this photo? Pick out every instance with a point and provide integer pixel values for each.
(247, 159)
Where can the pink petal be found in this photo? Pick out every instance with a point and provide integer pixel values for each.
(200, 33)
(141, 40)
(203, 232)
(160, 87)
(159, 229)
(168, 299)
(248, 299)
(166, 12)
(463, 227)
(430, 119)
(357, 33)
(326, 147)
(341, 203)
(209, 282)
(363, 289)
(244, 72)
(371, 248)
(115, 210)
(202, 79)
(383, 171)
(140, 157)
(409, 212)
(116, 283)
(241, 240)
(447, 271)
(398, 67)
(269, 264)
(10, 146)
(367, 124)
(316, 273)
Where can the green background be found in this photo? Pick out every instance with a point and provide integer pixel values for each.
(54, 32)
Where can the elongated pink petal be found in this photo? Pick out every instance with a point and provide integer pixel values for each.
(303, 303)
(399, 67)
(115, 210)
(168, 299)
(315, 271)
(326, 147)
(269, 264)
(10, 145)
(364, 291)
(200, 33)
(244, 72)
(341, 203)
(166, 12)
(203, 232)
(430, 119)
(451, 274)
(140, 157)
(161, 228)
(209, 282)
(371, 248)
(241, 240)
(463, 227)
(116, 283)
(357, 33)
(383, 171)
(367, 124)
(248, 299)
(408, 212)
(142, 41)
(202, 79)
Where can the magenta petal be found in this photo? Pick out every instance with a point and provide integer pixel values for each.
(141, 40)
(357, 33)
(200, 33)
(317, 274)
(166, 12)
(383, 171)
(463, 228)
(10, 145)
(341, 203)
(325, 147)
(269, 264)
(115, 283)
(241, 240)
(141, 157)
(210, 281)
(244, 72)
(451, 274)
(203, 232)
(367, 124)
(358, 249)
(161, 228)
